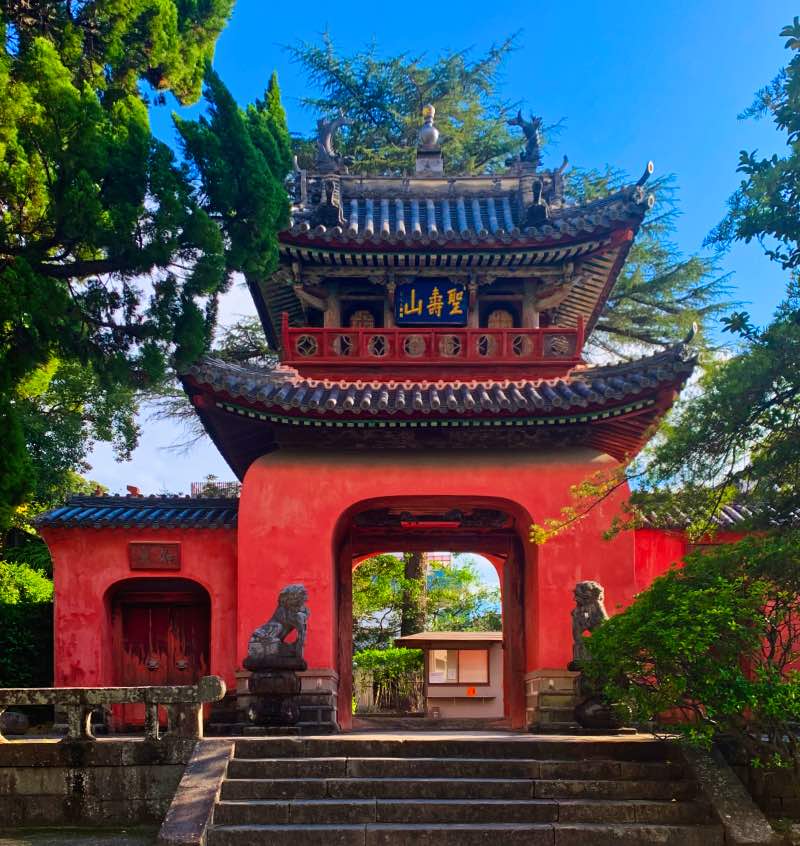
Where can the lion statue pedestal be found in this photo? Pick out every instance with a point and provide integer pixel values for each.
(274, 686)
(591, 711)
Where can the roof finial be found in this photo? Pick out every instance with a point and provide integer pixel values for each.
(428, 133)
(429, 154)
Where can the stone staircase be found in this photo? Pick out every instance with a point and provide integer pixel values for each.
(448, 790)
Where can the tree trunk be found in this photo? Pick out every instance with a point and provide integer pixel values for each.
(412, 618)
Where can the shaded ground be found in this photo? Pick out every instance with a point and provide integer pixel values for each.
(130, 836)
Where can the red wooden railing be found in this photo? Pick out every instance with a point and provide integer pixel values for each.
(409, 346)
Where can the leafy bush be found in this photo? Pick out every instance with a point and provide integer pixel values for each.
(711, 648)
(26, 626)
(395, 675)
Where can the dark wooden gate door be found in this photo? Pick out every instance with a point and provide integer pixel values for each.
(161, 638)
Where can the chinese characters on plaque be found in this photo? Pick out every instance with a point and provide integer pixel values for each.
(431, 302)
(154, 556)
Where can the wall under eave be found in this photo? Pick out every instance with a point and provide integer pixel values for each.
(657, 550)
(295, 506)
(88, 562)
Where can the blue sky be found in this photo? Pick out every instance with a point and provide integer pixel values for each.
(632, 81)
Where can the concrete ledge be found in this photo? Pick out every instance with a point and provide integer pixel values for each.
(190, 813)
(741, 818)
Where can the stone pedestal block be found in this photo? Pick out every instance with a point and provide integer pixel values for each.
(271, 698)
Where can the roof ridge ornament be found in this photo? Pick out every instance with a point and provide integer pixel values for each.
(531, 157)
(327, 159)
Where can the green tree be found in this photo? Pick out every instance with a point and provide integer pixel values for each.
(739, 435)
(718, 639)
(709, 649)
(112, 251)
(448, 597)
(383, 99)
(766, 206)
(26, 626)
(92, 203)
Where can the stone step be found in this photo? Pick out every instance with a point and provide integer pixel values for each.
(522, 746)
(352, 811)
(373, 788)
(455, 788)
(617, 835)
(261, 768)
(669, 812)
(613, 789)
(490, 834)
(377, 834)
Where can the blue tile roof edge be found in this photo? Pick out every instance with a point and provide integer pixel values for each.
(154, 512)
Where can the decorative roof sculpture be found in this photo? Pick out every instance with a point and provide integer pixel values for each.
(532, 130)
(327, 160)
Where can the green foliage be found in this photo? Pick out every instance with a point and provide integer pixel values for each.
(112, 252)
(659, 294)
(710, 648)
(741, 432)
(389, 663)
(26, 626)
(242, 158)
(394, 676)
(109, 268)
(766, 206)
(116, 44)
(383, 97)
(449, 597)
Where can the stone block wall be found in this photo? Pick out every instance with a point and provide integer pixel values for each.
(776, 792)
(108, 781)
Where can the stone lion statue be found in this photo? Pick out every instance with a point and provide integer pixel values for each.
(268, 641)
(589, 612)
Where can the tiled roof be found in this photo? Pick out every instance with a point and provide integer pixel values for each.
(475, 218)
(732, 516)
(151, 512)
(284, 389)
(434, 637)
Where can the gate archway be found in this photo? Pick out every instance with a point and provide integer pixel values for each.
(489, 527)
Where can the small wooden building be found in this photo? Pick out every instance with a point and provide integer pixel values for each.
(463, 673)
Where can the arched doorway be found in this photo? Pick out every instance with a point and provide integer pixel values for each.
(491, 528)
(161, 633)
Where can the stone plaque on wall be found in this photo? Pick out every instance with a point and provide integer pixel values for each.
(154, 556)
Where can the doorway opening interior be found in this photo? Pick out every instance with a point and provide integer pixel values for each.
(435, 633)
(427, 637)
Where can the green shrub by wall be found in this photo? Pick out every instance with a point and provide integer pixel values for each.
(26, 627)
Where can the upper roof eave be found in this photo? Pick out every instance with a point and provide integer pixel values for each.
(585, 386)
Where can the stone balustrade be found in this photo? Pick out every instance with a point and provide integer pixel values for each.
(183, 705)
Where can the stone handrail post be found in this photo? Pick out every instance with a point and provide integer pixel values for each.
(183, 705)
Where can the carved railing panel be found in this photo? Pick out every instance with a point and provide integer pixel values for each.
(414, 346)
(183, 705)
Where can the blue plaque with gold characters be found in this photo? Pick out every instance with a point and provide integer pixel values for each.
(430, 302)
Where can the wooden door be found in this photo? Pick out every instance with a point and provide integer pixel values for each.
(160, 640)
